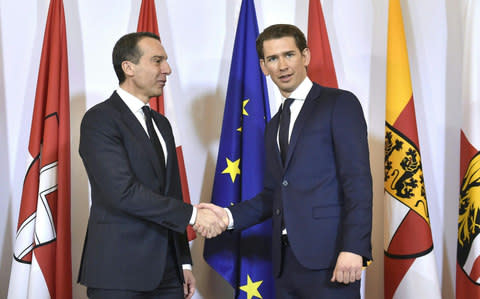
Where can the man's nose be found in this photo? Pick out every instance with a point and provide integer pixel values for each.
(166, 69)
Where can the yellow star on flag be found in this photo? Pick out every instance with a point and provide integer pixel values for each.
(239, 129)
(245, 102)
(251, 288)
(232, 168)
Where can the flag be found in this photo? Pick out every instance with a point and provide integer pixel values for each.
(468, 247)
(243, 259)
(410, 269)
(42, 266)
(147, 22)
(321, 68)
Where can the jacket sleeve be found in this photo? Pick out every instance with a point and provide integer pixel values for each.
(257, 209)
(353, 168)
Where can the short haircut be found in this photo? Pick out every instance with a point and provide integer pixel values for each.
(279, 31)
(126, 49)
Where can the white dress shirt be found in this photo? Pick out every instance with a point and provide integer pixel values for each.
(299, 95)
(135, 105)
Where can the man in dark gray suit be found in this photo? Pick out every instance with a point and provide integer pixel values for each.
(136, 244)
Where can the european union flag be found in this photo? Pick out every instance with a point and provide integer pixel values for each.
(243, 259)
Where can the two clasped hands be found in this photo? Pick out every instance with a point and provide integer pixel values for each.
(211, 220)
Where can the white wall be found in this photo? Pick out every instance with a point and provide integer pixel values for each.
(199, 41)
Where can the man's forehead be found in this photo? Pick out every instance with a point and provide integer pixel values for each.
(149, 44)
(279, 45)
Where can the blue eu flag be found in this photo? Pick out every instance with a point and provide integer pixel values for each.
(243, 259)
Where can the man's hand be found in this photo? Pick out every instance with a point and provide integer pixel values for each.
(348, 268)
(189, 284)
(208, 224)
(219, 211)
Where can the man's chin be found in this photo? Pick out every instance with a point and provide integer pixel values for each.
(157, 94)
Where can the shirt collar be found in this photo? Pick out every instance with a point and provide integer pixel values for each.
(133, 103)
(302, 90)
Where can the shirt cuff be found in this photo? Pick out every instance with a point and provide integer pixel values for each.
(230, 219)
(193, 218)
(187, 267)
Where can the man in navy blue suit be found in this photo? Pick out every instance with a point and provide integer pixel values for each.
(136, 244)
(317, 184)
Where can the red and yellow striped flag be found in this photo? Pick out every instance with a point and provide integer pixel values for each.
(410, 269)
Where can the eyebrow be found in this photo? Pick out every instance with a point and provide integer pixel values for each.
(159, 56)
(283, 53)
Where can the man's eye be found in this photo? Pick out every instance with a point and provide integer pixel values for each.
(271, 59)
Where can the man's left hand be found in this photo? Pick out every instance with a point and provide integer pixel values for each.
(189, 285)
(348, 268)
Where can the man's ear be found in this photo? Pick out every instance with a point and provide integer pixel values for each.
(264, 69)
(306, 56)
(128, 68)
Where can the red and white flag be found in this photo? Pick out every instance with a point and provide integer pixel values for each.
(410, 268)
(147, 22)
(468, 247)
(41, 265)
(321, 68)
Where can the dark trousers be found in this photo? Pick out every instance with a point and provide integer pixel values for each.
(298, 282)
(169, 288)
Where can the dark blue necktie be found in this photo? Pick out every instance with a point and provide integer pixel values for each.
(284, 128)
(153, 136)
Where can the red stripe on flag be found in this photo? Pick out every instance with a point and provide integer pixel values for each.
(395, 270)
(147, 21)
(466, 289)
(407, 122)
(321, 68)
(475, 272)
(413, 236)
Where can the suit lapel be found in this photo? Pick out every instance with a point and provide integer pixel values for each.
(138, 132)
(302, 118)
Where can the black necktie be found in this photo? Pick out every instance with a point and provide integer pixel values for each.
(284, 128)
(153, 136)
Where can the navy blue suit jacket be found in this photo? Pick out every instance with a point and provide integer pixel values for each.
(135, 204)
(324, 190)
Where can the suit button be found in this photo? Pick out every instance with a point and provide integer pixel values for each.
(285, 183)
(277, 211)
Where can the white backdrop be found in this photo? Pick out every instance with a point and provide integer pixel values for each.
(198, 36)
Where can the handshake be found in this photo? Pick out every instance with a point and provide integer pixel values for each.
(211, 220)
